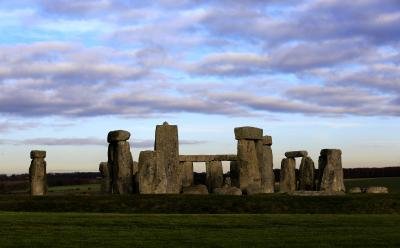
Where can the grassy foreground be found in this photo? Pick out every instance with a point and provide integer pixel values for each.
(124, 230)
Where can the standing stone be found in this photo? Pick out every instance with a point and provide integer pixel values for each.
(151, 174)
(214, 175)
(37, 173)
(135, 180)
(167, 149)
(106, 182)
(266, 165)
(330, 176)
(234, 173)
(187, 173)
(121, 162)
(287, 182)
(306, 174)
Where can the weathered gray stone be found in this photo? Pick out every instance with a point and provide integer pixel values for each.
(38, 154)
(151, 175)
(377, 190)
(266, 166)
(234, 173)
(248, 164)
(207, 158)
(37, 173)
(226, 190)
(248, 133)
(135, 175)
(167, 148)
(122, 164)
(330, 176)
(355, 190)
(287, 182)
(118, 135)
(187, 173)
(306, 174)
(295, 154)
(267, 140)
(195, 190)
(253, 189)
(214, 175)
(106, 182)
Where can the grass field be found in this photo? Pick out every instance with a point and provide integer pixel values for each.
(124, 230)
(392, 183)
(75, 189)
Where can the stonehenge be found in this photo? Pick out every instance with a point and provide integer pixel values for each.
(306, 174)
(214, 175)
(37, 173)
(106, 182)
(287, 182)
(330, 177)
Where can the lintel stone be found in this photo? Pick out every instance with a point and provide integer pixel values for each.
(38, 154)
(267, 140)
(295, 154)
(118, 135)
(249, 133)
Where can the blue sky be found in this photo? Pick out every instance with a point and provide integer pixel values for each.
(313, 74)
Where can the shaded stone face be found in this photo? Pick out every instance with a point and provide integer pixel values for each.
(122, 168)
(296, 154)
(167, 148)
(306, 174)
(106, 182)
(118, 135)
(37, 173)
(214, 175)
(151, 174)
(250, 133)
(287, 182)
(187, 173)
(267, 140)
(248, 164)
(266, 166)
(227, 190)
(330, 176)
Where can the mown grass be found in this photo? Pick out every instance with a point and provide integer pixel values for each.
(124, 230)
(392, 183)
(274, 203)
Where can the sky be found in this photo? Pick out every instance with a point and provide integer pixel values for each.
(312, 74)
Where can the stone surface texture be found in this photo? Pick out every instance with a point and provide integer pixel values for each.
(214, 175)
(187, 173)
(377, 190)
(106, 182)
(355, 190)
(330, 176)
(296, 154)
(37, 173)
(195, 190)
(167, 148)
(151, 175)
(118, 135)
(266, 165)
(287, 182)
(306, 174)
(248, 165)
(227, 190)
(250, 133)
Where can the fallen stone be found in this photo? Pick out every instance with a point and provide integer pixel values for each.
(296, 154)
(37, 173)
(187, 173)
(248, 133)
(167, 148)
(226, 190)
(118, 135)
(377, 190)
(287, 182)
(330, 177)
(38, 154)
(214, 175)
(306, 174)
(151, 175)
(195, 190)
(355, 190)
(267, 140)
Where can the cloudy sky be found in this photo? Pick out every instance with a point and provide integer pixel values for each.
(313, 74)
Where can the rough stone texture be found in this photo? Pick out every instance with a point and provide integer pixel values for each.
(287, 182)
(355, 190)
(214, 175)
(207, 158)
(37, 174)
(249, 133)
(226, 190)
(122, 180)
(267, 140)
(377, 190)
(266, 165)
(167, 148)
(187, 173)
(234, 173)
(248, 164)
(135, 180)
(306, 174)
(227, 182)
(118, 135)
(195, 190)
(330, 176)
(106, 183)
(151, 175)
(38, 154)
(296, 154)
(253, 189)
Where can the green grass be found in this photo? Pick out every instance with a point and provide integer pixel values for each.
(124, 230)
(392, 183)
(75, 189)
